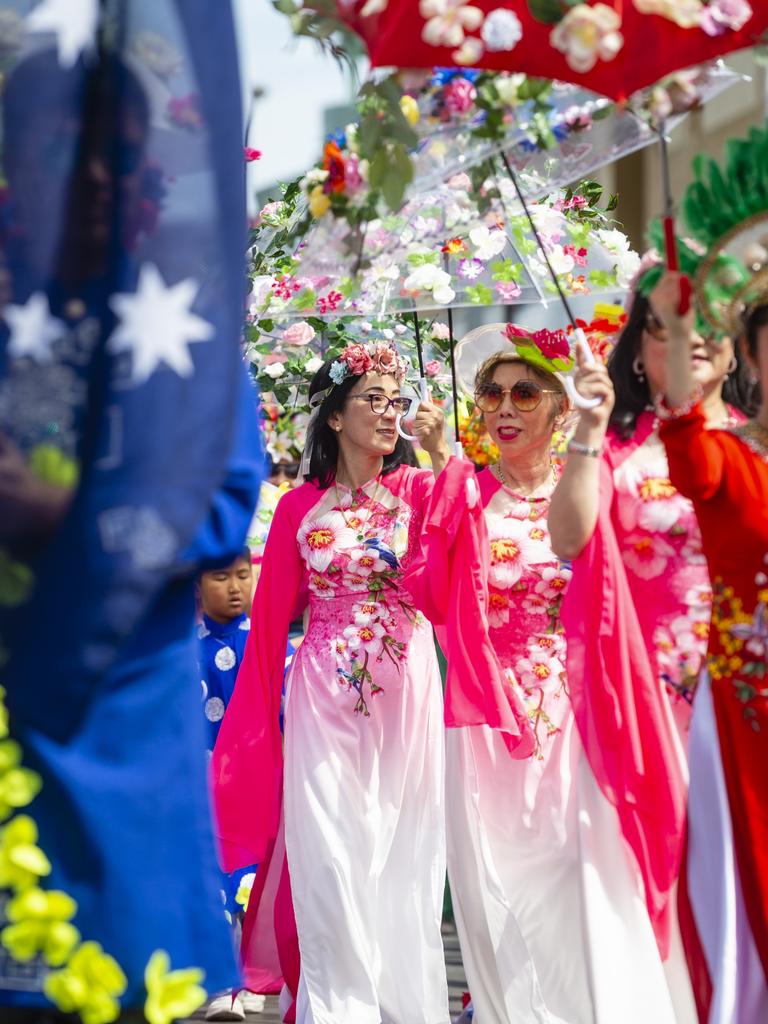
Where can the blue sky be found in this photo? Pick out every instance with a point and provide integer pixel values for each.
(300, 82)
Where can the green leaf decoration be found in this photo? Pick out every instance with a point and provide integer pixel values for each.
(480, 295)
(548, 11)
(171, 994)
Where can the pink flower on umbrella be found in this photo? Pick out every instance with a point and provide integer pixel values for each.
(587, 34)
(470, 269)
(459, 95)
(250, 154)
(647, 555)
(366, 638)
(720, 16)
(323, 536)
(498, 609)
(511, 550)
(432, 368)
(508, 291)
(578, 255)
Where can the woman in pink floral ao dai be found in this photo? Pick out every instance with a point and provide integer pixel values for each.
(363, 774)
(550, 914)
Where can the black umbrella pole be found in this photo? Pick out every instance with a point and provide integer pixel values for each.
(537, 236)
(419, 352)
(454, 385)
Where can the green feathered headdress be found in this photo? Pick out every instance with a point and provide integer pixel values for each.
(690, 255)
(725, 213)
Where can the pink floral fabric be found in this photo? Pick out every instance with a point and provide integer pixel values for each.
(526, 585)
(660, 545)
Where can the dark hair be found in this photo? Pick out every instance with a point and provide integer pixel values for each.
(754, 318)
(323, 440)
(244, 555)
(633, 395)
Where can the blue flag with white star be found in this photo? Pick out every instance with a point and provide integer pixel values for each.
(129, 454)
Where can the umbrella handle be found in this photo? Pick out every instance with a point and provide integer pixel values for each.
(670, 244)
(424, 396)
(579, 400)
(473, 491)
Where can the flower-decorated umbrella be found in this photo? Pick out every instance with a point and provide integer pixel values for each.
(613, 48)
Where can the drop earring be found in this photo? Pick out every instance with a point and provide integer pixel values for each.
(732, 366)
(638, 369)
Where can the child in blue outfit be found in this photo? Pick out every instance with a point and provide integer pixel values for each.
(225, 597)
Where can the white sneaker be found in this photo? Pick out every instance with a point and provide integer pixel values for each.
(225, 1007)
(252, 1002)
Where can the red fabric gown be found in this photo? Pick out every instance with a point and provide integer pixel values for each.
(725, 474)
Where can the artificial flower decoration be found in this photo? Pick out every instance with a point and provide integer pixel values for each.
(588, 34)
(251, 154)
(448, 20)
(243, 894)
(372, 357)
(333, 163)
(91, 985)
(171, 994)
(548, 350)
(715, 17)
(22, 862)
(40, 922)
(410, 109)
(501, 30)
(18, 785)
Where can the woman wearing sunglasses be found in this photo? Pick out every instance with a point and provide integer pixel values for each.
(546, 903)
(363, 769)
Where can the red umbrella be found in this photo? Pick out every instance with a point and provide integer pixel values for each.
(613, 48)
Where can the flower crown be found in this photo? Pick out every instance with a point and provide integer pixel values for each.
(367, 357)
(547, 350)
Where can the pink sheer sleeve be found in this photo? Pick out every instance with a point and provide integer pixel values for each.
(619, 708)
(247, 758)
(449, 582)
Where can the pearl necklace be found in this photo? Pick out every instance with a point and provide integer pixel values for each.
(502, 476)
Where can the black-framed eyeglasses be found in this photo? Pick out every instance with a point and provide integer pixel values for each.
(525, 395)
(380, 404)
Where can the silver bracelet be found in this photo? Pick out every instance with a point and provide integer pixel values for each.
(584, 449)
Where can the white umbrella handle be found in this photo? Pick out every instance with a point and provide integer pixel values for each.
(473, 491)
(424, 396)
(579, 400)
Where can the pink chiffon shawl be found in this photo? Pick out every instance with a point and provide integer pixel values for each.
(618, 703)
(449, 583)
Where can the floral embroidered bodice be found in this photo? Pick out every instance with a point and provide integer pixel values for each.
(354, 546)
(661, 546)
(526, 586)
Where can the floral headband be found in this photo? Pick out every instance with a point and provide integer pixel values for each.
(547, 350)
(367, 357)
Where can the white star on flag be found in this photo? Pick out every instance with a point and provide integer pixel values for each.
(33, 329)
(73, 22)
(157, 326)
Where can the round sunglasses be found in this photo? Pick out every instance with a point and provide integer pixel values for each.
(525, 395)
